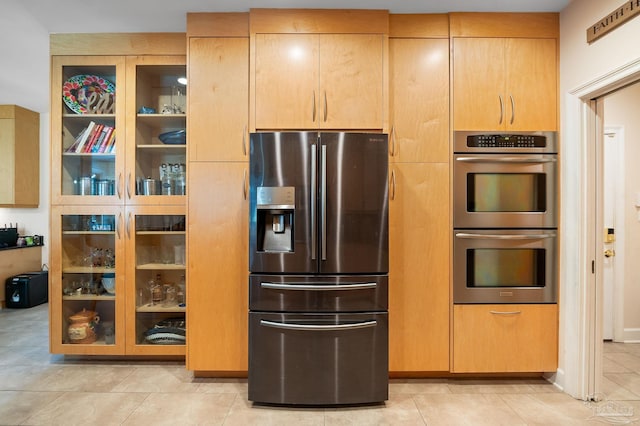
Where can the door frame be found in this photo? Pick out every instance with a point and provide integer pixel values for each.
(587, 355)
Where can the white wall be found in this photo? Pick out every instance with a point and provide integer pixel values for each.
(581, 65)
(24, 81)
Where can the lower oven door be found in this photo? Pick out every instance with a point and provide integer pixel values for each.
(318, 359)
(504, 266)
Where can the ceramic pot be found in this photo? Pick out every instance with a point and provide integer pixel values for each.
(82, 327)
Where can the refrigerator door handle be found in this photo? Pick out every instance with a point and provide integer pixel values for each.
(312, 327)
(323, 205)
(318, 287)
(314, 195)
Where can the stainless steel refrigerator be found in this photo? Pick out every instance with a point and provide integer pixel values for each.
(318, 257)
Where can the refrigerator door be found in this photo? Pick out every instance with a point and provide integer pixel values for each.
(281, 202)
(353, 204)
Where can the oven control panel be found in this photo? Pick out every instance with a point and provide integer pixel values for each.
(506, 141)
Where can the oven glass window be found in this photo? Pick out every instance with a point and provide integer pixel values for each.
(506, 192)
(506, 267)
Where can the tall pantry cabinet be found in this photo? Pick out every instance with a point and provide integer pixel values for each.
(118, 238)
(218, 207)
(419, 305)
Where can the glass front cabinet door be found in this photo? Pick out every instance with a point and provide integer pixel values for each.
(156, 138)
(87, 281)
(88, 106)
(156, 291)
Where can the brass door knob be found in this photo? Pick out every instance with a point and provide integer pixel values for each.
(609, 253)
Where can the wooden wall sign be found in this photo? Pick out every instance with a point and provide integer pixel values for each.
(613, 20)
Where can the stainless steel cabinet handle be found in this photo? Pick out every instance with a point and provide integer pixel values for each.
(504, 237)
(513, 109)
(118, 225)
(519, 159)
(310, 327)
(244, 185)
(318, 287)
(323, 206)
(393, 141)
(129, 226)
(393, 185)
(505, 312)
(118, 185)
(325, 106)
(128, 185)
(244, 140)
(313, 107)
(501, 109)
(314, 195)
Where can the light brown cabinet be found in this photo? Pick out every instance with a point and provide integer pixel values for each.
(325, 81)
(505, 84)
(20, 153)
(505, 338)
(419, 81)
(218, 166)
(219, 119)
(110, 234)
(218, 298)
(419, 256)
(419, 251)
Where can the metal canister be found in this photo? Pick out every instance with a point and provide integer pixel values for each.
(84, 185)
(149, 186)
(103, 187)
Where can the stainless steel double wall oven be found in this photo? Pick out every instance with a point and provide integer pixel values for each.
(505, 217)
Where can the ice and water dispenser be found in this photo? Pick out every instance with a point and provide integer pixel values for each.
(275, 217)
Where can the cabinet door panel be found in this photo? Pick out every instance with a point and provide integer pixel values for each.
(531, 84)
(419, 79)
(505, 338)
(478, 84)
(218, 99)
(286, 81)
(217, 295)
(351, 81)
(419, 268)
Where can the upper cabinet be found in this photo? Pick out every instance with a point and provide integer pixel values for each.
(20, 151)
(328, 81)
(505, 77)
(322, 70)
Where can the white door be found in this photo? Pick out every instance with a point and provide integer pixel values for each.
(613, 221)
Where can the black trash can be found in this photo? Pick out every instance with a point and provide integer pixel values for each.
(27, 290)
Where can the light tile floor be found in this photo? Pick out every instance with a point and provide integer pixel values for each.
(37, 388)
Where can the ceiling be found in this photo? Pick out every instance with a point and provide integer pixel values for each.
(84, 16)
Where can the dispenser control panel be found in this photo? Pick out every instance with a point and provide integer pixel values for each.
(276, 197)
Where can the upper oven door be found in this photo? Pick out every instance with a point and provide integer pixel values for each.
(504, 190)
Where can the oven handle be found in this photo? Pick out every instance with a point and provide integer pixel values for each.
(507, 160)
(311, 327)
(320, 287)
(504, 237)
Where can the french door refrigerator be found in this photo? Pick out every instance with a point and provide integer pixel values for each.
(318, 257)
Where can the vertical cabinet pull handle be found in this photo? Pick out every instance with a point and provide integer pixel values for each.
(118, 225)
(129, 185)
(129, 225)
(393, 141)
(118, 185)
(393, 185)
(244, 140)
(325, 106)
(244, 185)
(313, 107)
(513, 109)
(501, 109)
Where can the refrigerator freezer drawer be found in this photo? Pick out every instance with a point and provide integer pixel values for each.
(318, 359)
(345, 293)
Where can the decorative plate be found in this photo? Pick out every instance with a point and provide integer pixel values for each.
(89, 94)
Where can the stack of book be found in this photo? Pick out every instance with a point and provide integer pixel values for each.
(95, 138)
